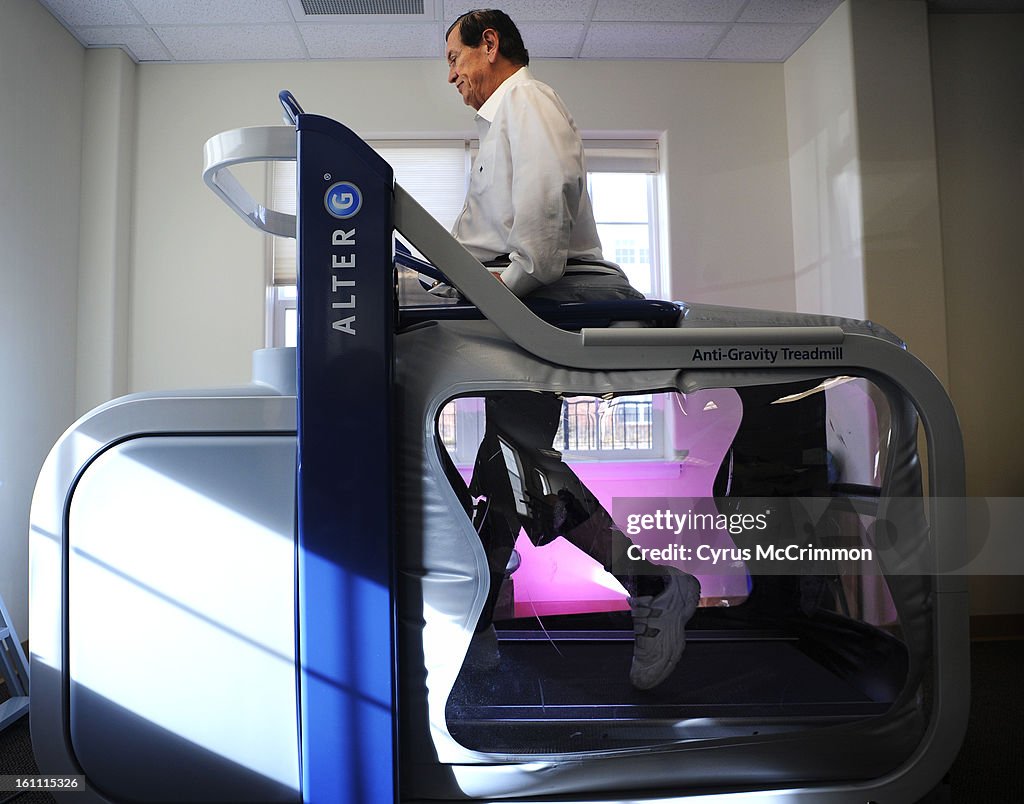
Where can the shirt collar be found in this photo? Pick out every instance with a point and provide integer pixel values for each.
(490, 106)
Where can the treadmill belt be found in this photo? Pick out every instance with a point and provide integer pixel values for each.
(563, 696)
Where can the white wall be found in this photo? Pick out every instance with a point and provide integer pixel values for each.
(197, 290)
(40, 169)
(104, 271)
(824, 152)
(867, 239)
(978, 75)
(902, 243)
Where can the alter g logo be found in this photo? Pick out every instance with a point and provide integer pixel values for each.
(343, 199)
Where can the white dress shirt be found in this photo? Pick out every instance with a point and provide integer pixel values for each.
(527, 194)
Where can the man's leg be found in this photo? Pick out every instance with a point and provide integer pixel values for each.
(662, 599)
(497, 522)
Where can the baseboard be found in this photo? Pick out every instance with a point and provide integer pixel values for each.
(988, 627)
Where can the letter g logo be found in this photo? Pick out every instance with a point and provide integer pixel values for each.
(343, 199)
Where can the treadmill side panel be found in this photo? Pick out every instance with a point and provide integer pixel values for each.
(181, 628)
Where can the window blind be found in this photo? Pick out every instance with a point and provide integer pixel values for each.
(433, 172)
(622, 156)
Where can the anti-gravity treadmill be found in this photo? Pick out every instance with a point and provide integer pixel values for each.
(269, 593)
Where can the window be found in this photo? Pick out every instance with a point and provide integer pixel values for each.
(590, 424)
(621, 182)
(624, 208)
(592, 429)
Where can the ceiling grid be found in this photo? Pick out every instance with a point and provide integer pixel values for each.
(255, 30)
(169, 31)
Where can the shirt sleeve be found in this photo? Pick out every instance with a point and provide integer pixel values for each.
(547, 183)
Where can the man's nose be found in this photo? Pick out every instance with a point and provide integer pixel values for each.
(452, 74)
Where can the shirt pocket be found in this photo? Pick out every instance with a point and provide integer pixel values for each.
(482, 176)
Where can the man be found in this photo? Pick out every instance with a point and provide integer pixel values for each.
(528, 218)
(541, 224)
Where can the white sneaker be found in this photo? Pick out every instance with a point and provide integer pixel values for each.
(659, 627)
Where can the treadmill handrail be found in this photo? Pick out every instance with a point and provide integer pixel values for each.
(407, 260)
(251, 144)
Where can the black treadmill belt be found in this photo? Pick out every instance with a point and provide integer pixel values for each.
(578, 697)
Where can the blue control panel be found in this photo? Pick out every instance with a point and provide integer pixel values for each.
(345, 564)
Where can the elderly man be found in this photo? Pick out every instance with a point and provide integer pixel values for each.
(528, 217)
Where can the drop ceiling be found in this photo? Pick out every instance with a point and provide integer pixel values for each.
(247, 30)
(257, 30)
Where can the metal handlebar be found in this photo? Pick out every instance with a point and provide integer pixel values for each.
(292, 110)
(238, 146)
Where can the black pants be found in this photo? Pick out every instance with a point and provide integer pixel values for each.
(521, 476)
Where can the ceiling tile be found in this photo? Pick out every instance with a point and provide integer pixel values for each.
(761, 42)
(806, 11)
(531, 10)
(138, 40)
(552, 40)
(669, 10)
(202, 12)
(94, 12)
(651, 41)
(375, 41)
(237, 43)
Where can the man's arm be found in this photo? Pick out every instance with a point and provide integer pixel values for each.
(548, 181)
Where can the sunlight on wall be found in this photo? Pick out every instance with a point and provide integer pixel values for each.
(182, 604)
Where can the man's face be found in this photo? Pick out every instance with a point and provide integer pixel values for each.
(470, 68)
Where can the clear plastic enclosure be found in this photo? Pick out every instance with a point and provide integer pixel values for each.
(766, 494)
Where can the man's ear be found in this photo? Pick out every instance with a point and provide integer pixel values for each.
(491, 39)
